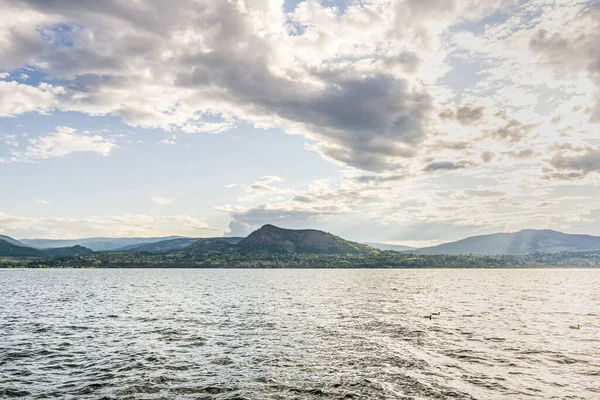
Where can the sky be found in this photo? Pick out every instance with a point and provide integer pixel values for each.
(406, 121)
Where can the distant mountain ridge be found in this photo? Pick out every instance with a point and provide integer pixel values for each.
(523, 242)
(390, 247)
(166, 246)
(158, 247)
(276, 240)
(11, 240)
(270, 238)
(8, 249)
(94, 243)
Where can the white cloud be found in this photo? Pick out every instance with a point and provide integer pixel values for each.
(17, 98)
(63, 142)
(264, 183)
(161, 200)
(262, 187)
(172, 140)
(458, 203)
(42, 201)
(10, 140)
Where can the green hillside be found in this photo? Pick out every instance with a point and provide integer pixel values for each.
(273, 239)
(8, 249)
(212, 246)
(67, 251)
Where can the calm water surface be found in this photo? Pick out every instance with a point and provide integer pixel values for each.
(299, 334)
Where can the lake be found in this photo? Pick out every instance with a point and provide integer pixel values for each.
(299, 334)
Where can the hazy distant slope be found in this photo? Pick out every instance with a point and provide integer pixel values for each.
(163, 246)
(273, 239)
(11, 240)
(8, 249)
(392, 247)
(95, 243)
(523, 242)
(66, 251)
(166, 246)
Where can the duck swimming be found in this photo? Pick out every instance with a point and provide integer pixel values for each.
(575, 326)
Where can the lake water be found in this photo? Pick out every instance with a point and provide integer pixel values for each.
(299, 334)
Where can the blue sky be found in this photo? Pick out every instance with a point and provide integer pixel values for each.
(395, 121)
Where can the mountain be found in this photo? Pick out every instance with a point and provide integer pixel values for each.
(273, 239)
(523, 242)
(11, 240)
(59, 252)
(390, 247)
(211, 246)
(95, 243)
(167, 246)
(164, 246)
(8, 249)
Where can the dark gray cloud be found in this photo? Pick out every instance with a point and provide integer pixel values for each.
(520, 155)
(488, 156)
(465, 115)
(468, 115)
(580, 164)
(18, 47)
(551, 175)
(566, 146)
(365, 120)
(451, 145)
(260, 187)
(513, 131)
(446, 114)
(303, 199)
(408, 61)
(443, 166)
(379, 179)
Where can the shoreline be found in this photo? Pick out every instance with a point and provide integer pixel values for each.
(571, 268)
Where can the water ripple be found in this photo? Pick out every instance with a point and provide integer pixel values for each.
(299, 334)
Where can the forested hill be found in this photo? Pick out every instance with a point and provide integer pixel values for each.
(67, 251)
(8, 249)
(273, 239)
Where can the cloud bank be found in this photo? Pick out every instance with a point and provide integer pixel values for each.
(426, 106)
